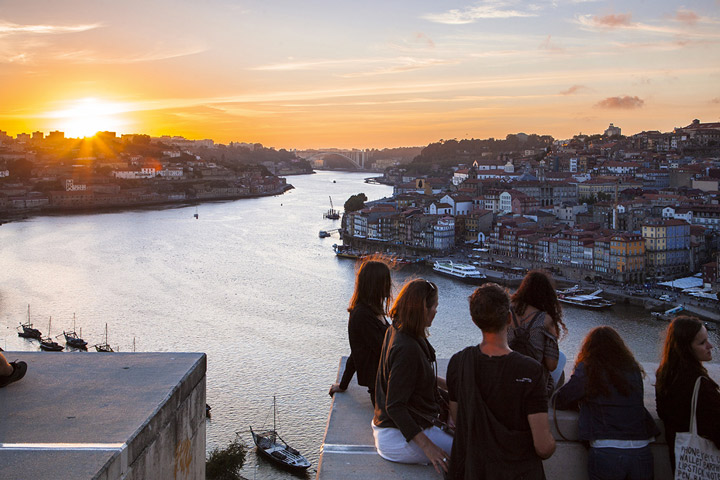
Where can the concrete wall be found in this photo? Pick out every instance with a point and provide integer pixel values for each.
(349, 453)
(105, 416)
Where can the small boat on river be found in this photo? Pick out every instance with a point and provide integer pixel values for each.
(344, 251)
(104, 347)
(48, 344)
(27, 330)
(271, 446)
(591, 300)
(668, 314)
(461, 271)
(72, 339)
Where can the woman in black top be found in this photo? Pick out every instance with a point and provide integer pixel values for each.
(406, 389)
(686, 347)
(607, 388)
(366, 325)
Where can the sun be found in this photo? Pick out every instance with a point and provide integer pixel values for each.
(85, 117)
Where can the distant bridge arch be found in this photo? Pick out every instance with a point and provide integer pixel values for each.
(357, 157)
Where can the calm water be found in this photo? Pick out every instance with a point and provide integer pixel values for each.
(249, 283)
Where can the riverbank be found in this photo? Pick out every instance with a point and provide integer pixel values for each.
(24, 214)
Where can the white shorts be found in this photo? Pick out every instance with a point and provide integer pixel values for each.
(391, 444)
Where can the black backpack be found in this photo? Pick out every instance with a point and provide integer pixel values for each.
(521, 337)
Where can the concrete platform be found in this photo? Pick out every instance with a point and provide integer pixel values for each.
(104, 416)
(348, 450)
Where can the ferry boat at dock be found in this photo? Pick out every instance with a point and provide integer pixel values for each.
(573, 296)
(462, 271)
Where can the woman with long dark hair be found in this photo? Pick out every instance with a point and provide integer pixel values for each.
(537, 310)
(686, 347)
(607, 387)
(406, 392)
(367, 324)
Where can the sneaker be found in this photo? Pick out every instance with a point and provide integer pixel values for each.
(19, 369)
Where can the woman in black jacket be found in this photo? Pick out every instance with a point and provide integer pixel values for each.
(406, 391)
(607, 387)
(366, 325)
(686, 347)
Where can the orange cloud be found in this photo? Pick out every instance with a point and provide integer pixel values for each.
(687, 16)
(621, 20)
(612, 21)
(624, 103)
(574, 89)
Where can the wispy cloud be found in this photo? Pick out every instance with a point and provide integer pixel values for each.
(484, 10)
(89, 56)
(607, 21)
(7, 28)
(548, 45)
(715, 100)
(624, 21)
(369, 66)
(621, 103)
(687, 16)
(574, 89)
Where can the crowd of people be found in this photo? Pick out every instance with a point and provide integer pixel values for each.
(488, 419)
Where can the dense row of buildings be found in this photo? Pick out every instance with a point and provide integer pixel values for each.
(39, 173)
(606, 210)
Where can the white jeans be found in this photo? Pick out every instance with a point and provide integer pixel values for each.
(391, 444)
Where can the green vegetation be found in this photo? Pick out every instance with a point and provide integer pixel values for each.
(355, 203)
(225, 463)
(447, 153)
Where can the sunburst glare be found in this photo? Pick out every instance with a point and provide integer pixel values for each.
(85, 117)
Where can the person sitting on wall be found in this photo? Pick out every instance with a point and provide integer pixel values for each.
(498, 400)
(11, 371)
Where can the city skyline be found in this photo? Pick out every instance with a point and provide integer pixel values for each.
(317, 74)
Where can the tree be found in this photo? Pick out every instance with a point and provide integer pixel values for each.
(355, 203)
(225, 463)
(20, 168)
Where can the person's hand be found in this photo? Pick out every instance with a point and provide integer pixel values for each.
(437, 456)
(334, 388)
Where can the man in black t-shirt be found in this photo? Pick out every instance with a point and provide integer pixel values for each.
(497, 400)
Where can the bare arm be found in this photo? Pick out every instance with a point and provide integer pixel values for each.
(550, 363)
(437, 456)
(441, 383)
(543, 440)
(453, 412)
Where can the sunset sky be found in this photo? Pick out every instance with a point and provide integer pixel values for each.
(372, 74)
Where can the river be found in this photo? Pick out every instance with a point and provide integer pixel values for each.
(249, 283)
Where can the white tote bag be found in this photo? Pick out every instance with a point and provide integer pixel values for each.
(696, 458)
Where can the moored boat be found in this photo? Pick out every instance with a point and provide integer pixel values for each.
(27, 330)
(592, 300)
(461, 271)
(48, 344)
(271, 446)
(344, 251)
(104, 347)
(72, 339)
(668, 314)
